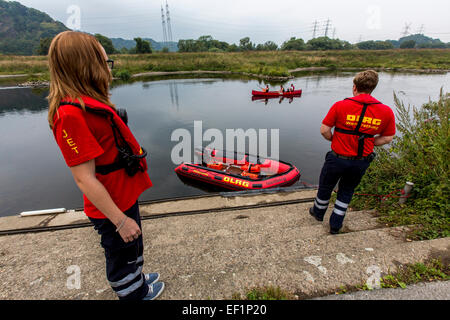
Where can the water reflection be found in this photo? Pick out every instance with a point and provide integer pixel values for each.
(174, 94)
(265, 100)
(22, 99)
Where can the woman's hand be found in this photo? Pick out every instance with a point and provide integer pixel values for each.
(84, 175)
(130, 230)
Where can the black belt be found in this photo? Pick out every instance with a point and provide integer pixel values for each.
(349, 158)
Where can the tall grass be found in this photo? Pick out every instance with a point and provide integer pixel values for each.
(272, 63)
(420, 153)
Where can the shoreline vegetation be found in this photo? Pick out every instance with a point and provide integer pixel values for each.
(266, 65)
(419, 153)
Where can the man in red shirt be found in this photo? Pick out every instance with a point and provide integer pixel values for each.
(360, 123)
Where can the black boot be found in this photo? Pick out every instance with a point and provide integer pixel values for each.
(334, 231)
(311, 212)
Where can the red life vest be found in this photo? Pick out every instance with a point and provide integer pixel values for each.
(131, 156)
(361, 135)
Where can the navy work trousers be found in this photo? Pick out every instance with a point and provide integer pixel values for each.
(349, 174)
(124, 261)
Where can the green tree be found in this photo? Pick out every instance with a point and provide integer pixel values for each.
(202, 44)
(246, 45)
(106, 43)
(293, 44)
(142, 46)
(375, 45)
(270, 46)
(325, 43)
(44, 45)
(233, 48)
(409, 44)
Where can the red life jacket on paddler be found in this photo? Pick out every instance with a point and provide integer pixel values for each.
(131, 156)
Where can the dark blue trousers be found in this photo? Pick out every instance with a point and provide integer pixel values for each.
(349, 174)
(124, 261)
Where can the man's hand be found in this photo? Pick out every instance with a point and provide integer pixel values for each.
(325, 131)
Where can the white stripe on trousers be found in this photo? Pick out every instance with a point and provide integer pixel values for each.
(341, 204)
(339, 212)
(319, 206)
(322, 201)
(130, 289)
(127, 279)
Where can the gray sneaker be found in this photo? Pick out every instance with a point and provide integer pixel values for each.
(154, 291)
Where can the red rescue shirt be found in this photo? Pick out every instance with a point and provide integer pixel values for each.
(83, 136)
(378, 120)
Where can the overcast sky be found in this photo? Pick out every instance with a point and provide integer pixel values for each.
(261, 20)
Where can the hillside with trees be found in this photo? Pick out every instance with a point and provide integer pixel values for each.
(23, 29)
(27, 31)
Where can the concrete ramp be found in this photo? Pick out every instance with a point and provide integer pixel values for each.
(212, 248)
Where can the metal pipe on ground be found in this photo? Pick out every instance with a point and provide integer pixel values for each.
(406, 191)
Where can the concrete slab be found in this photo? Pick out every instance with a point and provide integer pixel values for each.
(213, 256)
(421, 291)
(159, 207)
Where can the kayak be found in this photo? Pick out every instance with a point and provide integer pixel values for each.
(276, 93)
(257, 98)
(238, 171)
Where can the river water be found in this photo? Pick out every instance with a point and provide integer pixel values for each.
(33, 174)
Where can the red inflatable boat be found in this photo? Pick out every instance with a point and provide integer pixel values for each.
(276, 93)
(238, 172)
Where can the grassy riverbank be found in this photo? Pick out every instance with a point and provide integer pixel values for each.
(272, 63)
(420, 154)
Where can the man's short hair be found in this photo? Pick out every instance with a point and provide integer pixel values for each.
(366, 81)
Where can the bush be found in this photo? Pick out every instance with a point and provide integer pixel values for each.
(419, 153)
(124, 75)
(293, 44)
(409, 44)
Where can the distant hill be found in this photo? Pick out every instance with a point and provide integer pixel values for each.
(21, 28)
(120, 43)
(421, 41)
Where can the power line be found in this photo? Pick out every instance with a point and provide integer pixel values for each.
(169, 27)
(315, 29)
(406, 30)
(421, 29)
(327, 27)
(163, 25)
